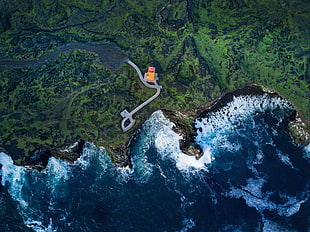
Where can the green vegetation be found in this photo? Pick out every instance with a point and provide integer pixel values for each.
(201, 49)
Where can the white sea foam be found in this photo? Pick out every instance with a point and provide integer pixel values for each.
(142, 167)
(92, 155)
(212, 133)
(168, 145)
(57, 170)
(213, 130)
(306, 153)
(291, 206)
(16, 180)
(285, 159)
(52, 184)
(188, 223)
(270, 226)
(123, 174)
(103, 157)
(14, 177)
(83, 161)
(258, 159)
(254, 197)
(254, 186)
(39, 227)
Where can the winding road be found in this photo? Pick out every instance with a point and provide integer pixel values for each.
(110, 55)
(128, 121)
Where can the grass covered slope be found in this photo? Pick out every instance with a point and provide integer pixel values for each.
(200, 49)
(266, 42)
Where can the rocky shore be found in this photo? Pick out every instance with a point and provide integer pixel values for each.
(201, 50)
(184, 121)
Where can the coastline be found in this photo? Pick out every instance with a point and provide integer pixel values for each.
(183, 120)
(298, 126)
(78, 95)
(184, 125)
(224, 145)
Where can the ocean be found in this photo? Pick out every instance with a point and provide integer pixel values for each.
(251, 177)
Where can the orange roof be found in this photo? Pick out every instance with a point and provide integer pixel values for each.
(151, 69)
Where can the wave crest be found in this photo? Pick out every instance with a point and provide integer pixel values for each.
(213, 130)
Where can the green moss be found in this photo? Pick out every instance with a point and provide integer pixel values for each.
(201, 49)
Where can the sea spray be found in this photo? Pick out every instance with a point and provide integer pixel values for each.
(142, 168)
(56, 171)
(13, 177)
(27, 187)
(166, 141)
(188, 225)
(244, 135)
(91, 152)
(255, 197)
(216, 126)
(306, 153)
(244, 188)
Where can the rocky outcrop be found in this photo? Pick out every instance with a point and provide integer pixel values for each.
(39, 158)
(201, 49)
(184, 126)
(184, 121)
(120, 155)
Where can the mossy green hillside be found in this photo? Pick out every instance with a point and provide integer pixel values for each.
(265, 43)
(200, 49)
(56, 105)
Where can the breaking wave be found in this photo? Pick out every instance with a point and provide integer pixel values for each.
(41, 191)
(252, 177)
(217, 126)
(168, 146)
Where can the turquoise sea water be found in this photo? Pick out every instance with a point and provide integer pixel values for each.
(252, 177)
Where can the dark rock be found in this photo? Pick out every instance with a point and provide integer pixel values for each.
(39, 158)
(184, 126)
(222, 101)
(120, 155)
(69, 153)
(201, 49)
(184, 121)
